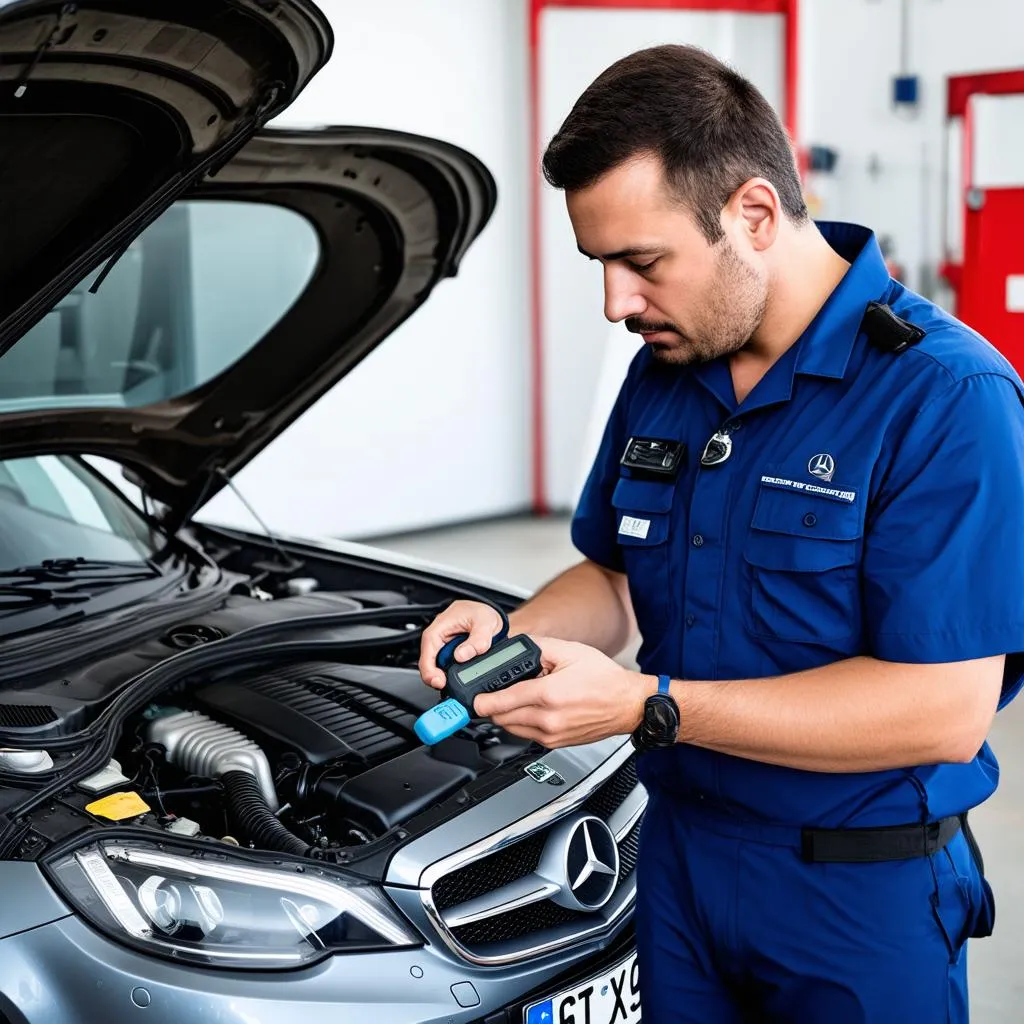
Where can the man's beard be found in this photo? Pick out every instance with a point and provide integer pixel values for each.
(739, 299)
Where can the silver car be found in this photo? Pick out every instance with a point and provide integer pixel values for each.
(213, 805)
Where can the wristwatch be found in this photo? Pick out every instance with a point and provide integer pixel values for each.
(659, 726)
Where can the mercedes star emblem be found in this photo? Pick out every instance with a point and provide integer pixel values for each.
(582, 858)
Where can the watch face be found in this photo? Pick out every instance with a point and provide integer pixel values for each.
(660, 715)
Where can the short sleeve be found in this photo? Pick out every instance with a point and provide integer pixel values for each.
(594, 522)
(944, 545)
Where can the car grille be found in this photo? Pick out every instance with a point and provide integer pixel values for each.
(489, 873)
(618, 801)
(610, 796)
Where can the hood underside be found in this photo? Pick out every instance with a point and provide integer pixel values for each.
(392, 214)
(110, 109)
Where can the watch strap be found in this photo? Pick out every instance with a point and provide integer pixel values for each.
(663, 683)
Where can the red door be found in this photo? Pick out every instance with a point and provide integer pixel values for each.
(992, 281)
(985, 253)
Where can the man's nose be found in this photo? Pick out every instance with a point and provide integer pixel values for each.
(621, 299)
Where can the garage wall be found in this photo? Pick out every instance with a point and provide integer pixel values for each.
(585, 358)
(433, 427)
(889, 172)
(457, 69)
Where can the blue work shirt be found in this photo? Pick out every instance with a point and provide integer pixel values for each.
(872, 504)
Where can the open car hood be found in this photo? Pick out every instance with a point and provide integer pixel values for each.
(109, 109)
(391, 215)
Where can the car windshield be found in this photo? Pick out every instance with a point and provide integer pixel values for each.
(189, 297)
(53, 507)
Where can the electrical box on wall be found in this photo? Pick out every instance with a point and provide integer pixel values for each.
(821, 159)
(905, 91)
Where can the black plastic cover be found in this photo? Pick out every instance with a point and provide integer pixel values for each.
(392, 793)
(325, 711)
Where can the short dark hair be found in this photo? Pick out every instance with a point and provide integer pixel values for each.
(710, 127)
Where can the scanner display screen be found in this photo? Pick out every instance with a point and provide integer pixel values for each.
(485, 664)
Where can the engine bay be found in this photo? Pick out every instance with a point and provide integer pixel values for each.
(328, 752)
(312, 755)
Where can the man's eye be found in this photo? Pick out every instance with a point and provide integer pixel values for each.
(641, 268)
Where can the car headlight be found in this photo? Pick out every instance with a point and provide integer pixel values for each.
(211, 910)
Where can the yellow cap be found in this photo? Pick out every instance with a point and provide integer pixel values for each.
(118, 806)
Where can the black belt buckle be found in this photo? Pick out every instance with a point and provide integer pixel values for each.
(654, 457)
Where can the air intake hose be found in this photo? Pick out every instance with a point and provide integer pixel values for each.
(256, 821)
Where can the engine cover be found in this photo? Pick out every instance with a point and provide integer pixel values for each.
(324, 711)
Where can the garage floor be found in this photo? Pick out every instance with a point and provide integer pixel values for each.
(528, 552)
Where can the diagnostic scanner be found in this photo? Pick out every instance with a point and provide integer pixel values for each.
(510, 659)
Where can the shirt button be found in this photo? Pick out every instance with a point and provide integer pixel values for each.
(698, 540)
(690, 620)
(810, 519)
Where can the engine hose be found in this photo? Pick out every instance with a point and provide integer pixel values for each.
(255, 819)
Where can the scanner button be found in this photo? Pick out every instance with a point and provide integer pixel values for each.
(517, 670)
(505, 677)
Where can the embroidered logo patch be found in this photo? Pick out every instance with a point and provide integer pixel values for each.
(800, 485)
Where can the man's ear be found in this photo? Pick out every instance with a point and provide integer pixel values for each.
(756, 211)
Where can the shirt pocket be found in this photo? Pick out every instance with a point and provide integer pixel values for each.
(801, 561)
(643, 513)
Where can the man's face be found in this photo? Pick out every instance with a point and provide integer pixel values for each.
(689, 300)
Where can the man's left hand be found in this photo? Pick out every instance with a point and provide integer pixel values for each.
(583, 696)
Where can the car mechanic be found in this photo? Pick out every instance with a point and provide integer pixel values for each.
(807, 497)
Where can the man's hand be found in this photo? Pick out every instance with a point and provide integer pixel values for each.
(477, 619)
(582, 697)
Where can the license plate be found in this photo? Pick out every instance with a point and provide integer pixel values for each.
(609, 998)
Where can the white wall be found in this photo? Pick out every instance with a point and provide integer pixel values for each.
(889, 174)
(456, 70)
(584, 357)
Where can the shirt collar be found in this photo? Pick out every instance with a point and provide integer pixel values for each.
(827, 343)
(825, 347)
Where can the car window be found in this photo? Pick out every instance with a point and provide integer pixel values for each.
(187, 299)
(53, 506)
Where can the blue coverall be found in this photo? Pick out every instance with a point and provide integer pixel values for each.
(871, 505)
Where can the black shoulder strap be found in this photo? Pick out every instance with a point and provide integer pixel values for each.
(887, 331)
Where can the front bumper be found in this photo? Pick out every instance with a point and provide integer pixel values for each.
(624, 944)
(63, 972)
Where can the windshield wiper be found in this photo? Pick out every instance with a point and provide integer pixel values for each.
(91, 570)
(18, 597)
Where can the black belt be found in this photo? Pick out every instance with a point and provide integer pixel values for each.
(867, 845)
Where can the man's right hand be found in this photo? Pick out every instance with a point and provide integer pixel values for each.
(477, 619)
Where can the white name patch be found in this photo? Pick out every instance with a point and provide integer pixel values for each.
(806, 488)
(631, 527)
